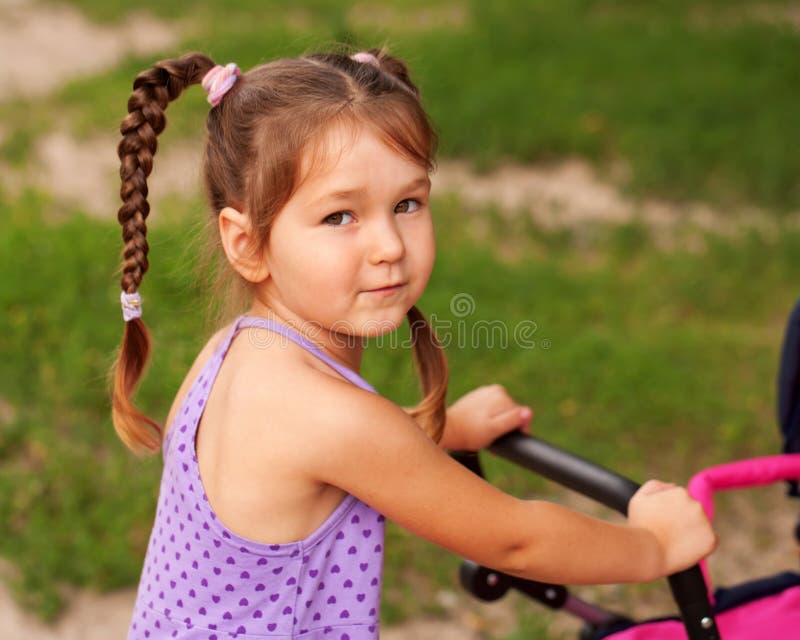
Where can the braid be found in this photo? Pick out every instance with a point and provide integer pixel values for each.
(431, 365)
(153, 90)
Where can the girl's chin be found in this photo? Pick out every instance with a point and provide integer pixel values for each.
(369, 327)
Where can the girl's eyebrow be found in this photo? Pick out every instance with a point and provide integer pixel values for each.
(424, 181)
(345, 194)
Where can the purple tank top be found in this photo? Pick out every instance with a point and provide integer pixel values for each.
(202, 581)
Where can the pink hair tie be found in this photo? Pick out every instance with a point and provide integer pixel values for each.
(365, 57)
(131, 305)
(217, 81)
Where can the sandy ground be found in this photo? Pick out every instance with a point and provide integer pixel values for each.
(33, 63)
(40, 49)
(90, 617)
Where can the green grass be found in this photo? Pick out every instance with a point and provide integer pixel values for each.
(658, 363)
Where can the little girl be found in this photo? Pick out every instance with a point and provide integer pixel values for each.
(280, 461)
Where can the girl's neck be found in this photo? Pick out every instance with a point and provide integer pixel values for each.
(347, 350)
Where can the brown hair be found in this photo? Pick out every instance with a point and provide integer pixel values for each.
(256, 138)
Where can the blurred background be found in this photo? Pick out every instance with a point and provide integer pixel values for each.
(619, 177)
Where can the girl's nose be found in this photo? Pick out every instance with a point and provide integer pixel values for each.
(386, 243)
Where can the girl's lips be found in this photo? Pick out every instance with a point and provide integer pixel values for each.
(386, 290)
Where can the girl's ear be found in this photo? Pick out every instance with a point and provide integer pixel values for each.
(241, 248)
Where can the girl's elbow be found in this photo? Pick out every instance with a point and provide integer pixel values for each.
(516, 561)
(520, 556)
(525, 554)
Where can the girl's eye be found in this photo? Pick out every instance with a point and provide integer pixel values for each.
(409, 205)
(337, 219)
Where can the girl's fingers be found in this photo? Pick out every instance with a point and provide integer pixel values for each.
(655, 486)
(514, 418)
(526, 413)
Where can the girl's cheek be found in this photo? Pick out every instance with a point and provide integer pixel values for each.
(429, 258)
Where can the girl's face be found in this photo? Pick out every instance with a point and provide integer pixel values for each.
(353, 248)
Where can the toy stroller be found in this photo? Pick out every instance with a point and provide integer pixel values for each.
(764, 608)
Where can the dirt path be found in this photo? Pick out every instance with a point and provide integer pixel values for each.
(89, 617)
(42, 48)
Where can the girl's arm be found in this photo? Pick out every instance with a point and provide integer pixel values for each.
(370, 448)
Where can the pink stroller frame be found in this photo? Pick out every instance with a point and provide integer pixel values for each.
(766, 608)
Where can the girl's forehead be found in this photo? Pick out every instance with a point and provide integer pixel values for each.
(324, 152)
(343, 152)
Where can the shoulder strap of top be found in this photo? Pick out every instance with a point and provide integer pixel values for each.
(289, 333)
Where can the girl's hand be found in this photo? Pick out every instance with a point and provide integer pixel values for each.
(677, 522)
(481, 416)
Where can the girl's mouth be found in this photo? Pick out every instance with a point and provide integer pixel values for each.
(387, 290)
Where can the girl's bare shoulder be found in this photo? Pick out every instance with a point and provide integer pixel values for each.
(292, 387)
(263, 379)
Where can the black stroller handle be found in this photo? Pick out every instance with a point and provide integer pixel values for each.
(615, 491)
(568, 470)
